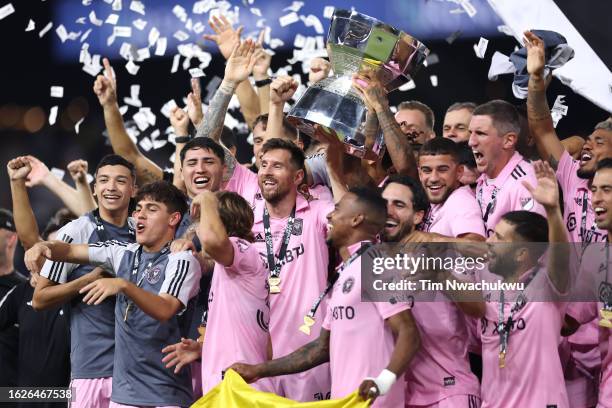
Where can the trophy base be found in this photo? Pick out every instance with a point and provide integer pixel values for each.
(339, 111)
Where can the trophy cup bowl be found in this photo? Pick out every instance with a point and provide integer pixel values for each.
(356, 43)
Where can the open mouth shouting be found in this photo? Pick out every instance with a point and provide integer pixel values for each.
(585, 157)
(140, 227)
(478, 157)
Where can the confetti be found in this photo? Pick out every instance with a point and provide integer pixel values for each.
(131, 67)
(57, 91)
(59, 173)
(116, 6)
(275, 43)
(139, 24)
(432, 59)
(468, 7)
(196, 72)
(167, 108)
(328, 11)
(89, 178)
(434, 80)
(112, 19)
(44, 30)
(80, 20)
(299, 41)
(161, 46)
(198, 27)
(61, 33)
(94, 20)
(153, 36)
(451, 38)
(407, 86)
(180, 13)
(146, 144)
(78, 125)
(137, 7)
(6, 10)
(142, 54)
(201, 7)
(128, 51)
(31, 26)
(481, 48)
(53, 115)
(84, 37)
(288, 19)
(122, 31)
(506, 30)
(175, 63)
(295, 6)
(255, 11)
(313, 21)
(133, 99)
(181, 35)
(123, 109)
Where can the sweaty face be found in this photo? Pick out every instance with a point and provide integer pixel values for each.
(597, 147)
(413, 125)
(401, 217)
(114, 187)
(277, 176)
(439, 176)
(152, 221)
(602, 199)
(339, 220)
(259, 133)
(456, 125)
(501, 252)
(202, 171)
(486, 144)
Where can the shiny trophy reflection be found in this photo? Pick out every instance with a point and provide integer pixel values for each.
(356, 43)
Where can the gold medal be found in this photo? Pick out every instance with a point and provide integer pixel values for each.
(502, 359)
(202, 331)
(606, 316)
(274, 283)
(308, 323)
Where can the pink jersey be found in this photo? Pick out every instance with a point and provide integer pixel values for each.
(238, 316)
(303, 278)
(245, 183)
(577, 198)
(458, 215)
(509, 192)
(532, 376)
(360, 342)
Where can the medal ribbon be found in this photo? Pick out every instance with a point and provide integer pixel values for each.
(274, 266)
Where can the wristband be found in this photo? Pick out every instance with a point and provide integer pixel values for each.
(182, 139)
(384, 381)
(263, 82)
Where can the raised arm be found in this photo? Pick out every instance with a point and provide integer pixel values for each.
(306, 357)
(105, 88)
(547, 194)
(55, 251)
(180, 123)
(25, 221)
(281, 90)
(40, 175)
(211, 231)
(538, 113)
(260, 73)
(78, 172)
(400, 150)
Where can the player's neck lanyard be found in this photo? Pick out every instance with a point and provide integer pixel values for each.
(134, 274)
(605, 295)
(309, 319)
(588, 235)
(275, 265)
(491, 205)
(504, 328)
(102, 234)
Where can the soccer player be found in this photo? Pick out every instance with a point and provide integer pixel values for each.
(359, 339)
(153, 287)
(494, 130)
(456, 125)
(239, 310)
(520, 332)
(92, 329)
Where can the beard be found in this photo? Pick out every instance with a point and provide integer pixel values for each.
(404, 230)
(585, 174)
(442, 198)
(503, 265)
(274, 196)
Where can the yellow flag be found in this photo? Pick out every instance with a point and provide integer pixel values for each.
(234, 392)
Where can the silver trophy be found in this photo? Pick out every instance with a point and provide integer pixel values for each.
(356, 43)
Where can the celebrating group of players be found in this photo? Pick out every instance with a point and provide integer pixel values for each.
(259, 269)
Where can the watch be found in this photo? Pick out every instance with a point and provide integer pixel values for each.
(182, 139)
(263, 82)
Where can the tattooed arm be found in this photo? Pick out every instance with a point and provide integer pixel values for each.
(538, 113)
(306, 357)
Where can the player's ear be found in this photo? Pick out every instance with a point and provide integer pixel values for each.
(418, 217)
(175, 219)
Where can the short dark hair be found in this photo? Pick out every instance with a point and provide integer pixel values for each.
(62, 217)
(291, 131)
(116, 160)
(165, 193)
(297, 155)
(470, 106)
(421, 107)
(604, 164)
(504, 116)
(228, 138)
(205, 143)
(419, 197)
(439, 146)
(530, 226)
(375, 205)
(466, 155)
(236, 215)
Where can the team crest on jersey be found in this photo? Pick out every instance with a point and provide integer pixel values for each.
(527, 203)
(242, 245)
(347, 286)
(298, 225)
(153, 275)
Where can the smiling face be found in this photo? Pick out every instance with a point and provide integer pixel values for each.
(598, 146)
(114, 186)
(401, 217)
(259, 138)
(341, 220)
(602, 199)
(202, 171)
(277, 175)
(153, 222)
(456, 125)
(439, 176)
(489, 146)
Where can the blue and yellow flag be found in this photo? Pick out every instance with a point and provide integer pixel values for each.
(234, 392)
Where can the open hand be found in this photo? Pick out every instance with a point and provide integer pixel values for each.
(535, 53)
(181, 354)
(225, 36)
(547, 190)
(101, 289)
(240, 63)
(194, 103)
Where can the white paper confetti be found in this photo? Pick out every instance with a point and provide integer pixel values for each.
(6, 10)
(94, 20)
(328, 11)
(62, 33)
(89, 178)
(434, 80)
(506, 30)
(196, 72)
(116, 6)
(161, 46)
(181, 35)
(31, 25)
(86, 2)
(295, 6)
(131, 67)
(299, 41)
(45, 30)
(122, 31)
(153, 36)
(167, 108)
(468, 7)
(112, 19)
(255, 11)
(84, 36)
(123, 109)
(481, 48)
(139, 24)
(78, 125)
(175, 63)
(313, 21)
(432, 59)
(133, 99)
(80, 20)
(407, 86)
(137, 7)
(59, 173)
(275, 43)
(180, 13)
(146, 144)
(198, 27)
(53, 115)
(558, 110)
(288, 19)
(142, 54)
(204, 6)
(57, 91)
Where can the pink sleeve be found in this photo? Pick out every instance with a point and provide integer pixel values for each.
(582, 312)
(386, 309)
(243, 182)
(566, 171)
(246, 258)
(468, 217)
